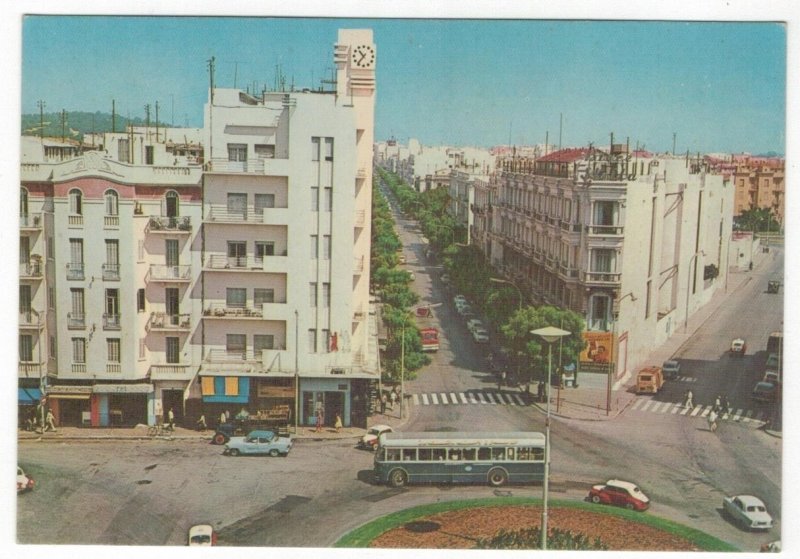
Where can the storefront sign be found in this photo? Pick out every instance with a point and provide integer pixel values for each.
(271, 391)
(122, 388)
(598, 352)
(70, 392)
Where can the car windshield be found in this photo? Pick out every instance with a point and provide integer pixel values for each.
(201, 539)
(755, 508)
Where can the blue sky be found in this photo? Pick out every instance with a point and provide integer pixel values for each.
(718, 86)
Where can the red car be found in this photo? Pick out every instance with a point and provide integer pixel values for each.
(619, 493)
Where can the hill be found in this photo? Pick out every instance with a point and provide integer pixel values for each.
(76, 124)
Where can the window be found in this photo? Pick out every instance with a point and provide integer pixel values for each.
(79, 350)
(264, 201)
(142, 349)
(314, 199)
(312, 340)
(112, 345)
(604, 213)
(236, 345)
(140, 300)
(237, 205)
(172, 304)
(328, 149)
(51, 297)
(326, 339)
(237, 152)
(23, 204)
(600, 312)
(140, 251)
(314, 149)
(237, 254)
(111, 268)
(123, 151)
(603, 260)
(312, 294)
(77, 303)
(264, 248)
(171, 204)
(264, 151)
(52, 347)
(171, 252)
(76, 252)
(314, 247)
(236, 297)
(262, 342)
(326, 247)
(51, 248)
(327, 199)
(263, 295)
(26, 347)
(25, 299)
(173, 349)
(326, 295)
(75, 202)
(111, 202)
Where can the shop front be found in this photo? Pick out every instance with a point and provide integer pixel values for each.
(28, 402)
(70, 404)
(324, 398)
(120, 405)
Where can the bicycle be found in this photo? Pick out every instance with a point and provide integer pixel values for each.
(158, 430)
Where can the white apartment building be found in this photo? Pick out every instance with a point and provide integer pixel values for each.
(284, 287)
(635, 244)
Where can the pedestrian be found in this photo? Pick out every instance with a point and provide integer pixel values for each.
(393, 398)
(383, 404)
(338, 423)
(319, 421)
(222, 418)
(689, 404)
(718, 404)
(50, 422)
(540, 391)
(170, 420)
(201, 423)
(712, 421)
(503, 377)
(726, 405)
(227, 416)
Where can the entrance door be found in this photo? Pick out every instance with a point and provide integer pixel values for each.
(173, 399)
(334, 404)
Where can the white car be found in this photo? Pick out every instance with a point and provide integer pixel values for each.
(202, 535)
(474, 323)
(747, 510)
(24, 481)
(480, 335)
(460, 301)
(370, 438)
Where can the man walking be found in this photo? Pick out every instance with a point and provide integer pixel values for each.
(50, 422)
(689, 404)
(383, 404)
(170, 420)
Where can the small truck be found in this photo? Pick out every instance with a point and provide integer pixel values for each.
(649, 380)
(427, 332)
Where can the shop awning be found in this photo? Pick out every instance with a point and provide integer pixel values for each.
(29, 396)
(70, 392)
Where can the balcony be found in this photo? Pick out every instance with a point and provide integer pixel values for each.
(163, 224)
(172, 369)
(78, 367)
(225, 356)
(567, 272)
(217, 310)
(160, 272)
(112, 322)
(75, 221)
(33, 269)
(76, 321)
(111, 221)
(606, 230)
(30, 319)
(601, 278)
(219, 213)
(31, 369)
(30, 222)
(75, 271)
(113, 367)
(360, 218)
(358, 266)
(163, 322)
(110, 272)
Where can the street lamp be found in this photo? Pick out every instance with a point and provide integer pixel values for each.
(688, 284)
(519, 292)
(549, 334)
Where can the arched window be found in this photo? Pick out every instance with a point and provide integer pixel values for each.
(23, 202)
(75, 202)
(112, 202)
(171, 204)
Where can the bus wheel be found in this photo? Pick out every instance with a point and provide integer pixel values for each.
(497, 477)
(398, 478)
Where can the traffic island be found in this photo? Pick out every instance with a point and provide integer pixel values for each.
(468, 524)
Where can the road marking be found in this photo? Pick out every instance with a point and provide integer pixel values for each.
(665, 407)
(685, 410)
(696, 410)
(491, 398)
(425, 399)
(724, 415)
(637, 403)
(747, 416)
(706, 411)
(738, 414)
(463, 398)
(510, 400)
(453, 397)
(443, 396)
(434, 399)
(519, 399)
(480, 397)
(472, 399)
(647, 405)
(675, 408)
(415, 399)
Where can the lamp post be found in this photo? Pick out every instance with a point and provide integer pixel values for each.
(519, 292)
(549, 334)
(402, 367)
(688, 285)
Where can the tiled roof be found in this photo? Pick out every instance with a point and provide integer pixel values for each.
(565, 155)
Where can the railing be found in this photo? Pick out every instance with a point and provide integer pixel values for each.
(250, 214)
(76, 220)
(111, 272)
(113, 367)
(171, 369)
(567, 271)
(30, 318)
(32, 269)
(360, 218)
(601, 277)
(30, 221)
(164, 224)
(161, 272)
(75, 271)
(216, 310)
(111, 322)
(164, 321)
(111, 221)
(76, 321)
(605, 230)
(232, 356)
(79, 367)
(224, 166)
(31, 368)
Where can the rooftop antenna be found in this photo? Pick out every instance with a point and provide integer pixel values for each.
(674, 135)
(560, 128)
(41, 105)
(211, 63)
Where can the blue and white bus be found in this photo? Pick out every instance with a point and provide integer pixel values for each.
(493, 458)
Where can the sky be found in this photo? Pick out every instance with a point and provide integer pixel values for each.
(717, 86)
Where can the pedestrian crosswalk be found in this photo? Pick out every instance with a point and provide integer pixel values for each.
(481, 397)
(739, 415)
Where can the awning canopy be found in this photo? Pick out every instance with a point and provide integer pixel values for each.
(29, 396)
(70, 392)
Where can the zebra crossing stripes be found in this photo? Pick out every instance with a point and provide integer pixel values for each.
(490, 398)
(434, 399)
(463, 398)
(469, 398)
(425, 399)
(743, 416)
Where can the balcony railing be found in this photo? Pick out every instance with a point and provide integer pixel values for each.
(601, 277)
(76, 321)
(164, 321)
(111, 322)
(75, 220)
(31, 368)
(79, 367)
(225, 166)
(30, 319)
(30, 221)
(241, 263)
(169, 369)
(567, 271)
(113, 367)
(224, 311)
(111, 221)
(232, 356)
(251, 214)
(164, 224)
(111, 272)
(605, 230)
(75, 271)
(160, 272)
(31, 269)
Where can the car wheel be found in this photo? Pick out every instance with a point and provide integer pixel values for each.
(234, 452)
(629, 506)
(274, 452)
(398, 478)
(219, 438)
(497, 477)
(596, 499)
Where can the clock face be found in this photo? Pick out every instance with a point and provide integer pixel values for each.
(364, 56)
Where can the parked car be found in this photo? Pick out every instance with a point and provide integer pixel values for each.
(480, 335)
(764, 392)
(465, 311)
(619, 493)
(771, 547)
(24, 481)
(459, 300)
(259, 442)
(370, 438)
(671, 368)
(738, 347)
(747, 510)
(474, 323)
(202, 535)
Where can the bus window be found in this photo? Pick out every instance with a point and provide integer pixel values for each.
(538, 454)
(409, 454)
(484, 453)
(498, 454)
(455, 455)
(439, 453)
(392, 454)
(468, 454)
(425, 454)
(510, 454)
(524, 453)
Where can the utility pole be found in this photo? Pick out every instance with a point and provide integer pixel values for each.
(211, 63)
(156, 121)
(674, 136)
(41, 105)
(113, 116)
(63, 124)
